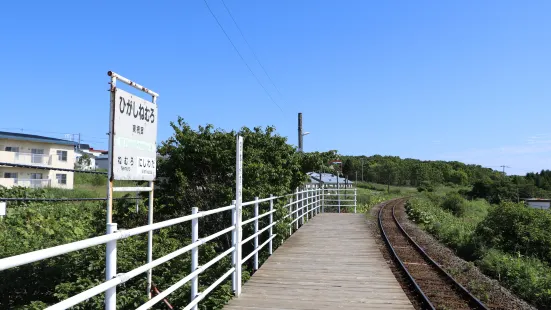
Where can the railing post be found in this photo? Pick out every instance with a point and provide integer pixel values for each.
(339, 196)
(314, 201)
(270, 249)
(238, 212)
(194, 256)
(310, 203)
(304, 193)
(233, 241)
(111, 269)
(255, 267)
(291, 216)
(322, 198)
(318, 195)
(355, 200)
(296, 209)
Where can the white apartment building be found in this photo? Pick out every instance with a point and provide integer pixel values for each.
(26, 151)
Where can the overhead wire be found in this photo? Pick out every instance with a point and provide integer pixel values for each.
(240, 55)
(250, 47)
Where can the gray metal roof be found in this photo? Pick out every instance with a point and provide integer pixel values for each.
(327, 178)
(33, 138)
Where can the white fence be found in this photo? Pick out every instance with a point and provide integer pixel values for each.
(301, 206)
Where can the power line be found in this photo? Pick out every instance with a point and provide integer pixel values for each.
(241, 56)
(254, 54)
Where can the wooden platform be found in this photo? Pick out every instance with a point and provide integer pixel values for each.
(332, 262)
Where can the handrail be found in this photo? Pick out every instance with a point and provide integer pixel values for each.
(186, 279)
(300, 210)
(252, 202)
(257, 217)
(23, 259)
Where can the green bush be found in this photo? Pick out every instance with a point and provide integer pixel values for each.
(515, 228)
(527, 277)
(425, 186)
(454, 203)
(455, 232)
(91, 179)
(505, 241)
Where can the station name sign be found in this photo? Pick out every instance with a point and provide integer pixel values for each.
(135, 137)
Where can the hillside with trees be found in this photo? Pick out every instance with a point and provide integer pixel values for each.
(476, 181)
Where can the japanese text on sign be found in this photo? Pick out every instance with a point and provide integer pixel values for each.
(135, 138)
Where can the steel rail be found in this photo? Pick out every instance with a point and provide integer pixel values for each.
(473, 301)
(424, 297)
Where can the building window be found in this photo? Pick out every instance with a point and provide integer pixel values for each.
(61, 178)
(62, 155)
(36, 176)
(12, 149)
(37, 155)
(10, 175)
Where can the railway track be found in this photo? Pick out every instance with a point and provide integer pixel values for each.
(435, 287)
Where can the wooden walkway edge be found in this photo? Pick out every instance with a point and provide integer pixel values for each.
(332, 262)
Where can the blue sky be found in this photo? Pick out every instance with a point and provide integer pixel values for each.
(451, 80)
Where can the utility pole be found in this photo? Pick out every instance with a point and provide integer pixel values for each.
(300, 135)
(503, 166)
(356, 179)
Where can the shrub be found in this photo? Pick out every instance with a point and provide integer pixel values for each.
(425, 186)
(455, 204)
(515, 228)
(529, 278)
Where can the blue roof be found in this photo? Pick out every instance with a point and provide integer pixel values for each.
(33, 138)
(326, 178)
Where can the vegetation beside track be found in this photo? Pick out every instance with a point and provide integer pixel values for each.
(508, 241)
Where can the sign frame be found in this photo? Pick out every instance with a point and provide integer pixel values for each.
(111, 260)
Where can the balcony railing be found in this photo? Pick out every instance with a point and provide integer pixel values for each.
(30, 158)
(33, 183)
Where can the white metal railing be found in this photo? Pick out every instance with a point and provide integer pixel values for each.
(32, 158)
(302, 206)
(33, 183)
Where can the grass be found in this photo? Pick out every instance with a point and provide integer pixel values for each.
(455, 232)
(384, 188)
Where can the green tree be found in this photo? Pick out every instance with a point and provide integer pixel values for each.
(83, 162)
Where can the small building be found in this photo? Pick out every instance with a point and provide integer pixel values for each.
(84, 160)
(328, 179)
(91, 153)
(102, 162)
(538, 203)
(27, 151)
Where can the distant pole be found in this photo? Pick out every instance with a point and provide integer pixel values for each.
(356, 179)
(300, 132)
(504, 166)
(362, 169)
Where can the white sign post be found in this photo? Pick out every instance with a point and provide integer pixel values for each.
(135, 138)
(132, 156)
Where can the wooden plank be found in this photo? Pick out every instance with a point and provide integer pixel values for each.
(332, 262)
